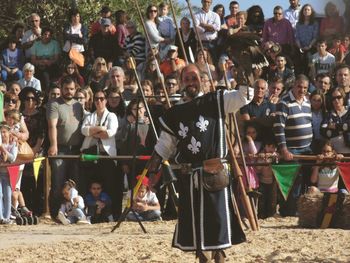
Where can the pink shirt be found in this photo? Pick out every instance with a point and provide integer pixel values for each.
(280, 32)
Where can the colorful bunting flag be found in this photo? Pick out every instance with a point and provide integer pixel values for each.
(285, 175)
(13, 175)
(36, 167)
(344, 170)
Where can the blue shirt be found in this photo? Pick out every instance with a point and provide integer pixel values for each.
(258, 111)
(306, 33)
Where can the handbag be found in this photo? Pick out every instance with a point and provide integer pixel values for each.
(76, 57)
(25, 152)
(215, 176)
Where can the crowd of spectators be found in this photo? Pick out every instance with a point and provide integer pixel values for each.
(81, 95)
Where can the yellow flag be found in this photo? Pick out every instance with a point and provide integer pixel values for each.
(36, 167)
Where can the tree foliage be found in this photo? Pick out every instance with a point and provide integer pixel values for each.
(54, 13)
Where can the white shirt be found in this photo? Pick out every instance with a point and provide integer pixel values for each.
(110, 121)
(233, 101)
(323, 64)
(210, 18)
(68, 45)
(292, 15)
(27, 37)
(33, 82)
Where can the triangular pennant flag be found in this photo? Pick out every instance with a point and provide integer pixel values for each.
(13, 174)
(344, 170)
(36, 168)
(285, 175)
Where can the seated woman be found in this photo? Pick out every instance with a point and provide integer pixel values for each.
(71, 69)
(28, 79)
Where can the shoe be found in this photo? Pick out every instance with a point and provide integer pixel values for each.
(218, 256)
(203, 256)
(62, 218)
(83, 222)
(110, 218)
(6, 222)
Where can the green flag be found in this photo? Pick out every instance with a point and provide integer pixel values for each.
(285, 175)
(89, 157)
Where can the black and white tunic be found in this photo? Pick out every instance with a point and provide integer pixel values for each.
(196, 130)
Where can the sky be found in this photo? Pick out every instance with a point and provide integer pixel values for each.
(268, 5)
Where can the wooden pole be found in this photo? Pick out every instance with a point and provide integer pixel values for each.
(245, 199)
(178, 31)
(47, 187)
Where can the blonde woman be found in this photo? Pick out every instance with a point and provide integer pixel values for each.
(99, 74)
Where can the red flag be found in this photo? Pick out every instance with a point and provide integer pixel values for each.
(13, 174)
(344, 170)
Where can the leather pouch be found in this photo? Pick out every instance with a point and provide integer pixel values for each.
(215, 176)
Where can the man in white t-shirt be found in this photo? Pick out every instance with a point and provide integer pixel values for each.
(322, 61)
(31, 35)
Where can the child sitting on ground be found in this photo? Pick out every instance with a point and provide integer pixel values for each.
(146, 204)
(8, 154)
(268, 187)
(98, 204)
(72, 209)
(325, 177)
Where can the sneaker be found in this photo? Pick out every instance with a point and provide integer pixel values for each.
(110, 218)
(6, 222)
(83, 222)
(61, 217)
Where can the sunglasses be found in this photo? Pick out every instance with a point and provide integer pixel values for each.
(29, 98)
(337, 97)
(13, 101)
(153, 11)
(99, 99)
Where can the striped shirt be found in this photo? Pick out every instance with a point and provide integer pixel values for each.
(293, 123)
(136, 46)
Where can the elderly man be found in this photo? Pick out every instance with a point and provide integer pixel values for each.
(260, 106)
(116, 80)
(195, 130)
(31, 35)
(293, 132)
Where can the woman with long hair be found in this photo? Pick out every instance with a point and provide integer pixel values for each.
(71, 69)
(151, 24)
(99, 74)
(306, 34)
(188, 38)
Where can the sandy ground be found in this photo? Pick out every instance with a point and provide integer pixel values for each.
(279, 240)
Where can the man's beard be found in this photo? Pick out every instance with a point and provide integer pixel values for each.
(68, 98)
(192, 91)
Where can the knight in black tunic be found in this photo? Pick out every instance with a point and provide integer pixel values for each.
(192, 133)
